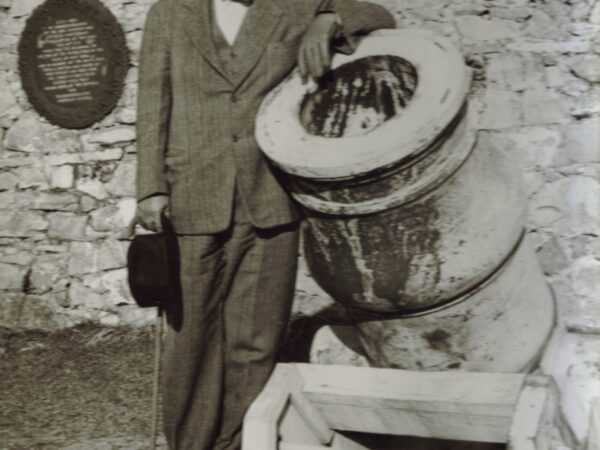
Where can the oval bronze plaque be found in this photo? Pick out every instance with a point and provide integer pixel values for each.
(73, 60)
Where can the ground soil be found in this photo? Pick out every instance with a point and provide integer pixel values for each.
(84, 388)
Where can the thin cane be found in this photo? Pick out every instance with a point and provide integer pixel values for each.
(157, 351)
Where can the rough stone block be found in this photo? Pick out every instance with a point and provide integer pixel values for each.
(11, 304)
(88, 203)
(11, 162)
(593, 439)
(134, 42)
(83, 258)
(587, 104)
(112, 254)
(537, 145)
(127, 116)
(122, 183)
(516, 13)
(62, 177)
(582, 142)
(553, 257)
(586, 67)
(572, 359)
(110, 154)
(8, 180)
(133, 15)
(127, 208)
(541, 25)
(82, 296)
(583, 29)
(547, 206)
(15, 200)
(567, 204)
(11, 276)
(16, 253)
(582, 193)
(22, 8)
(585, 245)
(114, 217)
(556, 76)
(67, 226)
(106, 218)
(502, 109)
(514, 72)
(7, 98)
(477, 29)
(108, 319)
(552, 47)
(93, 187)
(115, 282)
(47, 274)
(585, 276)
(55, 201)
(113, 135)
(33, 176)
(22, 224)
(134, 316)
(31, 134)
(542, 106)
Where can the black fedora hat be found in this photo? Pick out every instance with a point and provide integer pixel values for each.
(153, 268)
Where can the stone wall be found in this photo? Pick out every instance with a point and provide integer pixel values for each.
(66, 196)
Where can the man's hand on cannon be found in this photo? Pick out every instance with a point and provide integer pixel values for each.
(314, 56)
(149, 211)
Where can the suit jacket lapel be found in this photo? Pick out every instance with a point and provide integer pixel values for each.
(198, 24)
(258, 26)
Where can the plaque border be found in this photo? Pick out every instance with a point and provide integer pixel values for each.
(118, 53)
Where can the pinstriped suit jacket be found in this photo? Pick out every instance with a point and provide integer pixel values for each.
(195, 125)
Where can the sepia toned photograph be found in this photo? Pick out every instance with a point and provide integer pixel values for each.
(299, 224)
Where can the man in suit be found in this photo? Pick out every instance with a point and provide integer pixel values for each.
(205, 67)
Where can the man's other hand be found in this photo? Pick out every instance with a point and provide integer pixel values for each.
(149, 211)
(314, 56)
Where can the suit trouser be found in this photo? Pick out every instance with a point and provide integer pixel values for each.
(237, 291)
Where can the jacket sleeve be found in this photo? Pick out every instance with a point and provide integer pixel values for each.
(154, 105)
(358, 19)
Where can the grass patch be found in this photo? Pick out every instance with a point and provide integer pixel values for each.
(87, 383)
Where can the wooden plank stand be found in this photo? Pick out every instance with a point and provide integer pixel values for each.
(306, 406)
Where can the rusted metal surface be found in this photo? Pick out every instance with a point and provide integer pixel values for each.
(365, 93)
(407, 179)
(501, 326)
(424, 252)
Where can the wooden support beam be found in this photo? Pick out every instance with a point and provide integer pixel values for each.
(260, 428)
(312, 417)
(282, 411)
(302, 405)
(447, 405)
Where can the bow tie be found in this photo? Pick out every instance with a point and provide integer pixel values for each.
(243, 2)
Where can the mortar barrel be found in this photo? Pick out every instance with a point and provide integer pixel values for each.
(405, 210)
